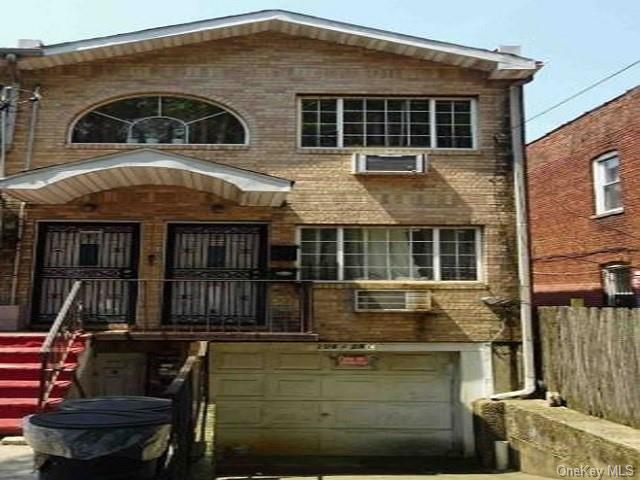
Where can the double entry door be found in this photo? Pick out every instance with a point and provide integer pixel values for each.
(210, 272)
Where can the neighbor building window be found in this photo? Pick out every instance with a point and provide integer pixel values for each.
(397, 253)
(606, 175)
(159, 120)
(387, 122)
(616, 281)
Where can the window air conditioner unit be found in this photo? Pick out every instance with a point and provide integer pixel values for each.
(392, 300)
(365, 163)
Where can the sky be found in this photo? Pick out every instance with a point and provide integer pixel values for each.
(580, 41)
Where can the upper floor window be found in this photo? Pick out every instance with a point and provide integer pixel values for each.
(606, 177)
(396, 253)
(387, 122)
(159, 120)
(616, 281)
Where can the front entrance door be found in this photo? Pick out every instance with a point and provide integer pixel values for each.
(211, 272)
(103, 254)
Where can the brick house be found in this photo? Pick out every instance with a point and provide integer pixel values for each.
(329, 205)
(583, 179)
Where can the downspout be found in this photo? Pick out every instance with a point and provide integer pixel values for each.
(18, 254)
(516, 115)
(35, 104)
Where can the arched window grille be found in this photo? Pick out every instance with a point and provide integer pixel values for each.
(159, 119)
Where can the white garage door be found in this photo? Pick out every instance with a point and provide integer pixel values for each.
(291, 399)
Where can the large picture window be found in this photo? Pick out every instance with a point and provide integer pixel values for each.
(397, 253)
(387, 122)
(159, 120)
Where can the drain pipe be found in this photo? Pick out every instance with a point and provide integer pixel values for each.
(18, 255)
(516, 115)
(35, 104)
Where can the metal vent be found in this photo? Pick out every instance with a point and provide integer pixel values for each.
(392, 300)
(394, 164)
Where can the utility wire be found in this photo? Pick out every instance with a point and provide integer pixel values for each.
(584, 90)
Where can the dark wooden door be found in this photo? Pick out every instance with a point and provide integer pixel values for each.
(212, 271)
(103, 254)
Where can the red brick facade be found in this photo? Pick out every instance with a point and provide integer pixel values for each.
(570, 242)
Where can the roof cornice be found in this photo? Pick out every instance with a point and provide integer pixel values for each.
(499, 64)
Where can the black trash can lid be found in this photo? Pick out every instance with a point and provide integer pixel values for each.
(99, 419)
(123, 403)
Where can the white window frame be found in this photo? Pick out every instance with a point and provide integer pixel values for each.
(609, 284)
(432, 123)
(479, 251)
(599, 183)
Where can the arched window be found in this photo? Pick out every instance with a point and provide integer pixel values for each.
(159, 119)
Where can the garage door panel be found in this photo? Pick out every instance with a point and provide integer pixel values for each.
(387, 443)
(230, 385)
(415, 416)
(351, 387)
(297, 414)
(428, 388)
(299, 361)
(253, 360)
(235, 412)
(272, 442)
(425, 362)
(285, 387)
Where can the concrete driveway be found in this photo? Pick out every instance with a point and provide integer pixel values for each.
(16, 464)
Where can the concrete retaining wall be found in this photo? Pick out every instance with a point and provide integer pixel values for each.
(557, 442)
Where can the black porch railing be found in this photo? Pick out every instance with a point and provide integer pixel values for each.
(238, 305)
(189, 393)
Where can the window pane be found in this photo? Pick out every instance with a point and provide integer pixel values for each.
(159, 120)
(94, 128)
(610, 170)
(458, 254)
(453, 124)
(221, 129)
(320, 127)
(318, 254)
(612, 197)
(132, 108)
(158, 130)
(187, 109)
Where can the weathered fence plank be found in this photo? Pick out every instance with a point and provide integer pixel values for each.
(591, 356)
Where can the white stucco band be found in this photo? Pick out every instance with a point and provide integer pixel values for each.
(62, 183)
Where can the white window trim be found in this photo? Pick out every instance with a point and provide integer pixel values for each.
(436, 253)
(599, 184)
(93, 108)
(432, 124)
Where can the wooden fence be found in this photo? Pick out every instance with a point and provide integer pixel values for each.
(591, 356)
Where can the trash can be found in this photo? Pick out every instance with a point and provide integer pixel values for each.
(121, 403)
(98, 444)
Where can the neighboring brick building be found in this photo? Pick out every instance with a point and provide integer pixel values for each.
(584, 207)
(375, 166)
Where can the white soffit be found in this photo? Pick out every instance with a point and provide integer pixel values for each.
(62, 183)
(499, 64)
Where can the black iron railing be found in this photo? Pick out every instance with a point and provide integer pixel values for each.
(189, 393)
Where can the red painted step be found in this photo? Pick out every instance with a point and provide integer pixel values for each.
(20, 371)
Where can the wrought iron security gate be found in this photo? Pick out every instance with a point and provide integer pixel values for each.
(211, 271)
(104, 254)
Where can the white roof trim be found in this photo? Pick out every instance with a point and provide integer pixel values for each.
(291, 23)
(62, 183)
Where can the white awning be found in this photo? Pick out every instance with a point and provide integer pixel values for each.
(62, 183)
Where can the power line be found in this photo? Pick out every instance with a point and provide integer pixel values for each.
(584, 90)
